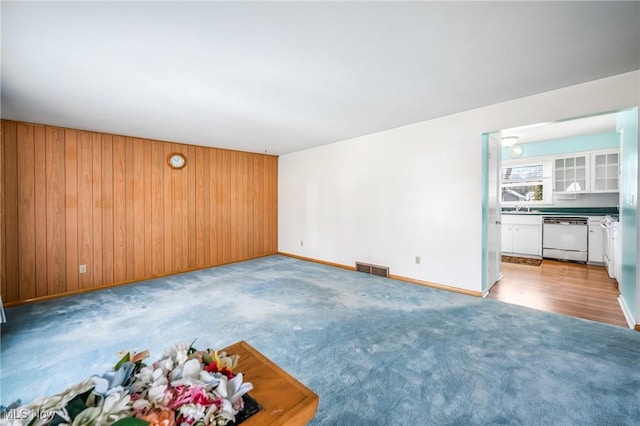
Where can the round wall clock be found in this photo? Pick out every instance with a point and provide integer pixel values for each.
(176, 160)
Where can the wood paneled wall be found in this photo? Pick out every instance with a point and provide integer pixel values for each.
(112, 203)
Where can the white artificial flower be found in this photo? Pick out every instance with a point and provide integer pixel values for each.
(145, 374)
(156, 395)
(106, 411)
(179, 352)
(117, 402)
(236, 388)
(192, 411)
(60, 400)
(157, 374)
(143, 378)
(175, 374)
(88, 417)
(187, 374)
(191, 369)
(222, 386)
(102, 385)
(166, 364)
(151, 384)
(117, 389)
(208, 378)
(141, 404)
(37, 412)
(210, 414)
(227, 411)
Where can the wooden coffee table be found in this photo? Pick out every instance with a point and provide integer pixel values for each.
(283, 399)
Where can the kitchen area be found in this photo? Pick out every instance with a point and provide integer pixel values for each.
(585, 236)
(560, 197)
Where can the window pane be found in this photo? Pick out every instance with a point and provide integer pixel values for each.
(525, 182)
(522, 173)
(522, 193)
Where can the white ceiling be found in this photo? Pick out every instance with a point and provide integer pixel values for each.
(286, 76)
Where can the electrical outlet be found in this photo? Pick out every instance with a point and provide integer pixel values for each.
(83, 269)
(301, 243)
(417, 260)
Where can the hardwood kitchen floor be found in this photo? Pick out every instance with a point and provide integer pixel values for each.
(578, 290)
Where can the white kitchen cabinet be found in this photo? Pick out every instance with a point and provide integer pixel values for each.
(526, 240)
(506, 238)
(605, 168)
(595, 240)
(522, 235)
(571, 174)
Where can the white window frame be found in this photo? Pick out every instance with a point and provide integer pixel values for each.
(547, 180)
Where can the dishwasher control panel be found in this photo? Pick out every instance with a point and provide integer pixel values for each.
(566, 220)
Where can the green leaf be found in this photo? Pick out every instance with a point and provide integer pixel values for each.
(130, 421)
(75, 406)
(78, 404)
(57, 420)
(125, 358)
(191, 349)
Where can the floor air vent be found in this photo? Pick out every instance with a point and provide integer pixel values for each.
(382, 271)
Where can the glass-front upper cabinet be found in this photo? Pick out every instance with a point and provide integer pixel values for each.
(571, 174)
(605, 169)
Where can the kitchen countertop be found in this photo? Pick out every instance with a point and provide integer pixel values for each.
(565, 211)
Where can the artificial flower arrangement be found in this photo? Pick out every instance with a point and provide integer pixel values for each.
(184, 387)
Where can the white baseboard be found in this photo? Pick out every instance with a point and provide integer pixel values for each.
(627, 313)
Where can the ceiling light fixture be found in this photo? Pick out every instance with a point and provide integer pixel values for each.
(509, 140)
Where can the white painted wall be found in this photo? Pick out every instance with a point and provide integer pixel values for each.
(416, 190)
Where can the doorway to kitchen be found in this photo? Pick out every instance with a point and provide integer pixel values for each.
(568, 288)
(552, 169)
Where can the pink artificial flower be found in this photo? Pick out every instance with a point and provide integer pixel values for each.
(190, 395)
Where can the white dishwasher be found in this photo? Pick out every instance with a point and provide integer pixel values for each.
(565, 238)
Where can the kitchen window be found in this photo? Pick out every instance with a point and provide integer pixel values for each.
(526, 183)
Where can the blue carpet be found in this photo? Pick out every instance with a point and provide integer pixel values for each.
(376, 351)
